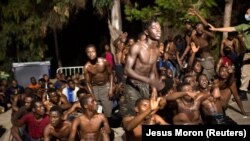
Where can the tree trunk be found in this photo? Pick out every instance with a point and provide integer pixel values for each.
(59, 61)
(115, 27)
(227, 15)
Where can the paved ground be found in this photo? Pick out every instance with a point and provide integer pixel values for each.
(233, 112)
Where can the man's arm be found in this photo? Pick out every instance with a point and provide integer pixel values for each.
(71, 110)
(222, 29)
(160, 120)
(20, 122)
(111, 78)
(106, 125)
(18, 114)
(87, 79)
(74, 126)
(46, 134)
(234, 91)
(192, 11)
(14, 103)
(65, 104)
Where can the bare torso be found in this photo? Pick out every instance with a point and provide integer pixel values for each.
(62, 133)
(146, 58)
(98, 72)
(90, 129)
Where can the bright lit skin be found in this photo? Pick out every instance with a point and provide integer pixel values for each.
(27, 102)
(203, 81)
(55, 118)
(154, 31)
(91, 53)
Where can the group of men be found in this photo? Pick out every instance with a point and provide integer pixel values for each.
(145, 96)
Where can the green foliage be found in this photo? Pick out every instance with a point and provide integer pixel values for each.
(102, 6)
(20, 27)
(170, 12)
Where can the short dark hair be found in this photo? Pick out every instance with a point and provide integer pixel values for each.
(181, 85)
(56, 108)
(138, 101)
(90, 46)
(149, 22)
(81, 91)
(84, 100)
(33, 103)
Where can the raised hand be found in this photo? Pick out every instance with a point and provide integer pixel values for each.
(194, 48)
(192, 11)
(154, 100)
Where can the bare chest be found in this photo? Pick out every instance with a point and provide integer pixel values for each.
(148, 55)
(97, 68)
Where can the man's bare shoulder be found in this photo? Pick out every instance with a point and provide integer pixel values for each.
(101, 59)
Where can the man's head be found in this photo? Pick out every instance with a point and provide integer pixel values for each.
(37, 107)
(88, 102)
(28, 100)
(199, 28)
(141, 105)
(223, 72)
(81, 92)
(55, 115)
(185, 87)
(53, 96)
(247, 15)
(71, 84)
(203, 81)
(33, 81)
(153, 30)
(107, 47)
(91, 52)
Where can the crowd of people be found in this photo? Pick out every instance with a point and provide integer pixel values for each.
(146, 82)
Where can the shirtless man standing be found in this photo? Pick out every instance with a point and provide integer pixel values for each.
(92, 125)
(57, 129)
(120, 45)
(99, 79)
(140, 69)
(145, 110)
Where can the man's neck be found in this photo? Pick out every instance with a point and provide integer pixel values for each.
(89, 114)
(151, 43)
(94, 61)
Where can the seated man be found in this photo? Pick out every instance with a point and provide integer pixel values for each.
(92, 125)
(188, 104)
(57, 129)
(76, 106)
(56, 99)
(145, 115)
(35, 121)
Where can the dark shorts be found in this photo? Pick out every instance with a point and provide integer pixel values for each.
(131, 94)
(219, 119)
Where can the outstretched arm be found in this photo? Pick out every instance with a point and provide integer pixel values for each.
(193, 12)
(222, 29)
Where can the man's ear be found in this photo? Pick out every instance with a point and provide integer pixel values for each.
(146, 32)
(33, 110)
(136, 110)
(85, 106)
